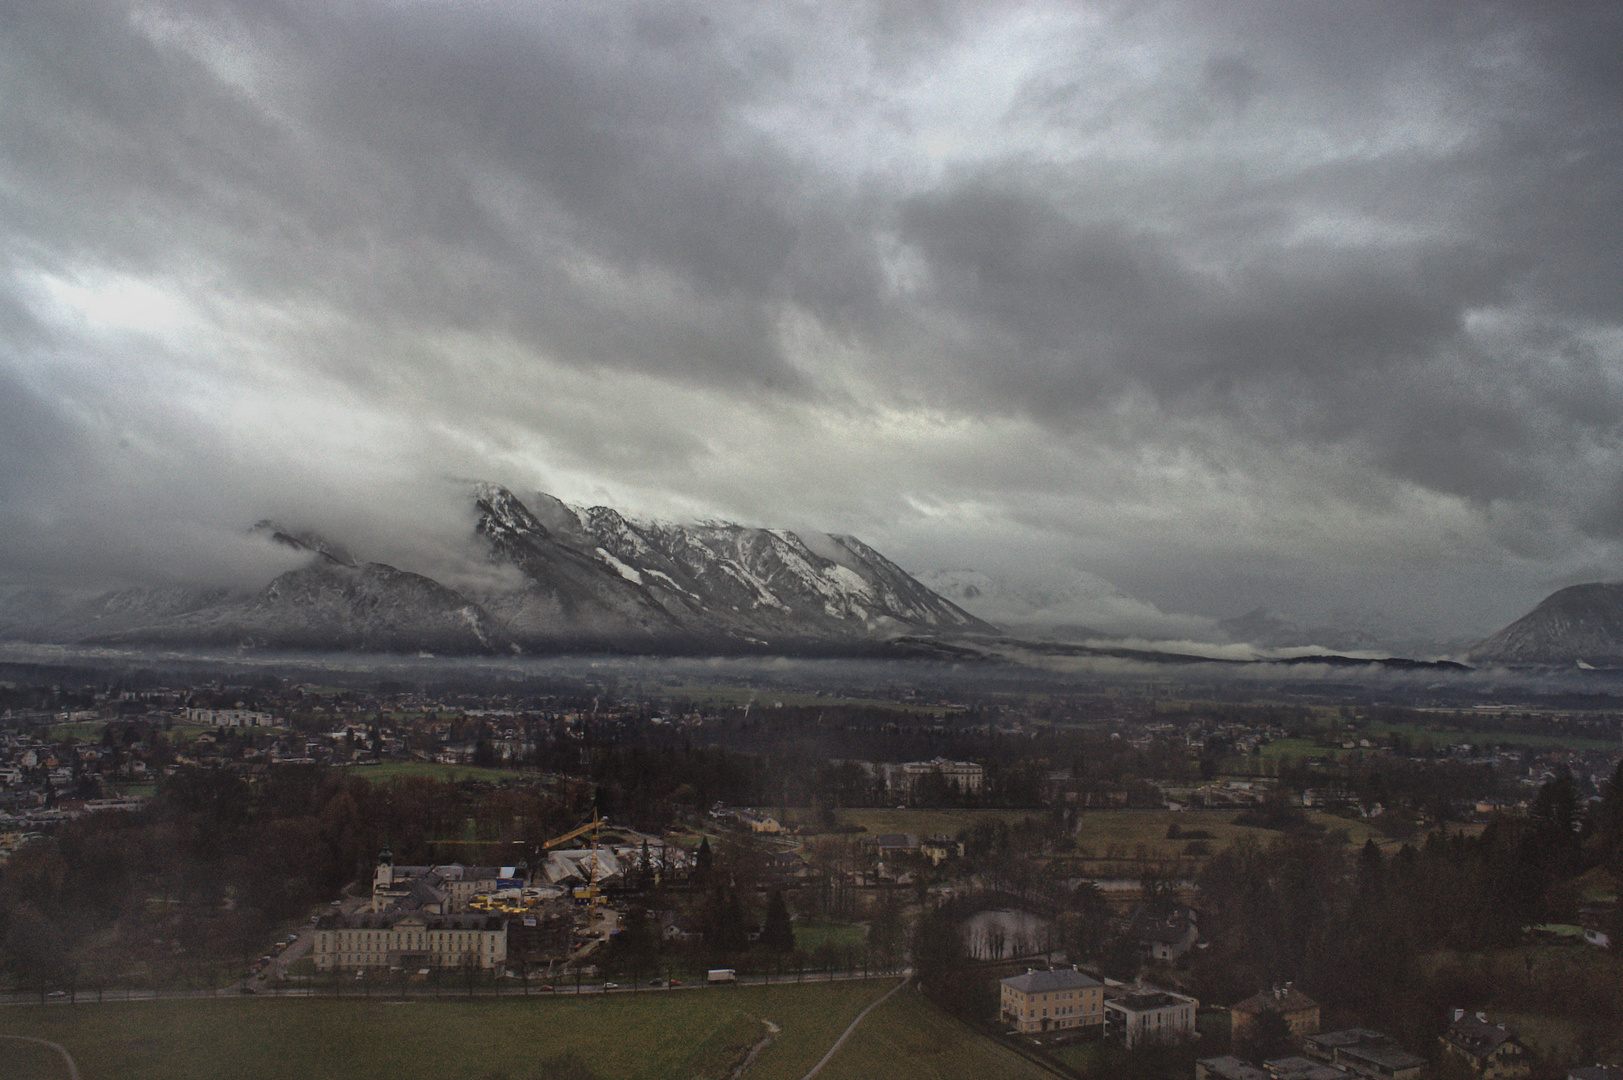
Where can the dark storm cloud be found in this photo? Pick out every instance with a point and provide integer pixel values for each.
(409, 112)
(1297, 285)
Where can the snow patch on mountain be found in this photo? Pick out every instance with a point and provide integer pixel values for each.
(621, 568)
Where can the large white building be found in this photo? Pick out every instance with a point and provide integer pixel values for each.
(906, 776)
(1150, 1016)
(230, 718)
(410, 940)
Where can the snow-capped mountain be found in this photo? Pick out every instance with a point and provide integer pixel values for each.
(557, 578)
(595, 572)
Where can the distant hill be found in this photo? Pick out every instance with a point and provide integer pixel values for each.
(1579, 626)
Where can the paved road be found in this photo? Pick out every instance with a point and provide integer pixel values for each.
(514, 988)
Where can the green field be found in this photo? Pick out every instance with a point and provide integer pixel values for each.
(920, 822)
(1301, 748)
(1131, 827)
(811, 933)
(686, 1034)
(30, 1061)
(391, 770)
(1446, 734)
(85, 731)
(1100, 833)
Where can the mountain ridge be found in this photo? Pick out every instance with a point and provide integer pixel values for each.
(571, 579)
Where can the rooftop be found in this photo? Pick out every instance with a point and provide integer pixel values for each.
(1043, 982)
(1229, 1067)
(1279, 999)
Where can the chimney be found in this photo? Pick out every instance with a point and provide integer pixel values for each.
(1459, 1014)
(1482, 1016)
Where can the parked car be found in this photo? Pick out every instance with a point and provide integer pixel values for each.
(656, 982)
(611, 986)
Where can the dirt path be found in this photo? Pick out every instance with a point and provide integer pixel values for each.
(846, 1034)
(73, 1070)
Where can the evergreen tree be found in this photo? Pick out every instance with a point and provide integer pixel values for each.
(1607, 822)
(702, 861)
(778, 934)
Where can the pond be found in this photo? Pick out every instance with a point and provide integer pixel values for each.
(1007, 932)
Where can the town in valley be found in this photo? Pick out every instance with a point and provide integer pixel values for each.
(1151, 876)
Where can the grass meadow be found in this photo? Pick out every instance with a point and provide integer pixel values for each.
(907, 1038)
(390, 770)
(1102, 834)
(687, 1034)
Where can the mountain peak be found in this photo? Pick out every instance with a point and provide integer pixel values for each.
(1579, 625)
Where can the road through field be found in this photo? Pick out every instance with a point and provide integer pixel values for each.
(846, 1034)
(67, 1059)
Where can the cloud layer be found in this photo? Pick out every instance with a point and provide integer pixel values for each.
(1314, 306)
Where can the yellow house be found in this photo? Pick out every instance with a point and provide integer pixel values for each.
(1050, 1000)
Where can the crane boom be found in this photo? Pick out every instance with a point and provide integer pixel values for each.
(590, 826)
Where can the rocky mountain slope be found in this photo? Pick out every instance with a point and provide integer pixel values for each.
(572, 579)
(593, 572)
(1581, 625)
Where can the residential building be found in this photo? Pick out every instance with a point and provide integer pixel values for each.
(894, 843)
(1301, 1013)
(1049, 1000)
(1150, 1016)
(1165, 936)
(938, 849)
(759, 822)
(1368, 1053)
(1046, 1001)
(1491, 1050)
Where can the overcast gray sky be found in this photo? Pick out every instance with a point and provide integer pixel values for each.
(1315, 305)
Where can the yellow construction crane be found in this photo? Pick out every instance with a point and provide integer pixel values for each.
(591, 827)
(590, 892)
